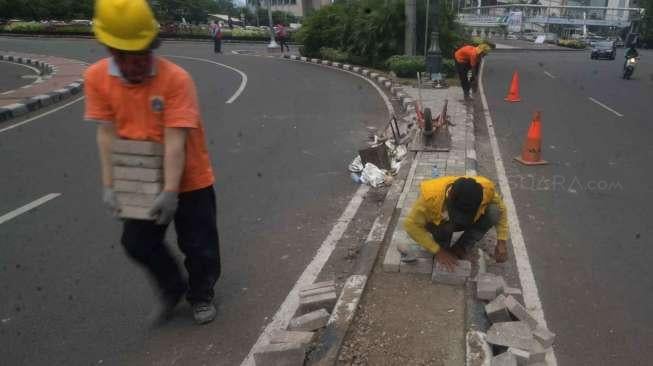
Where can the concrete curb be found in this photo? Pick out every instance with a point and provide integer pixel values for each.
(332, 338)
(37, 102)
(519, 50)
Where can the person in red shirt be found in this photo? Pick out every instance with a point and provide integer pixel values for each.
(469, 58)
(137, 96)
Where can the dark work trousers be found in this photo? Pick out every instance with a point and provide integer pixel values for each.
(471, 235)
(217, 45)
(463, 70)
(282, 43)
(197, 237)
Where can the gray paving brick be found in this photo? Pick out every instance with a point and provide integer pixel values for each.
(511, 334)
(488, 287)
(520, 312)
(317, 291)
(504, 359)
(305, 59)
(326, 62)
(315, 60)
(356, 69)
(544, 337)
(346, 67)
(138, 174)
(318, 285)
(137, 187)
(134, 147)
(320, 301)
(134, 212)
(135, 199)
(281, 354)
(284, 336)
(138, 161)
(497, 311)
(337, 64)
(456, 278)
(310, 322)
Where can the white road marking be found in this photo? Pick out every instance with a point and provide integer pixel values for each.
(8, 92)
(291, 303)
(526, 276)
(549, 74)
(40, 115)
(243, 76)
(28, 207)
(606, 107)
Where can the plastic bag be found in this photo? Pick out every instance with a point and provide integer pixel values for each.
(372, 175)
(356, 165)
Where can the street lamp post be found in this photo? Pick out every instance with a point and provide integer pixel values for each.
(434, 55)
(273, 43)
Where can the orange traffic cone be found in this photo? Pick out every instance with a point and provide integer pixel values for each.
(532, 150)
(513, 93)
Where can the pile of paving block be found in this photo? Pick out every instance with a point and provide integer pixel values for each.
(137, 176)
(289, 347)
(516, 336)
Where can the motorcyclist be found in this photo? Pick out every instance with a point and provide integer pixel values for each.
(630, 53)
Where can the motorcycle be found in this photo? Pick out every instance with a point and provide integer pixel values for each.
(629, 68)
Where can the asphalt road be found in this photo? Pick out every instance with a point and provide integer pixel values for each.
(585, 215)
(12, 76)
(69, 295)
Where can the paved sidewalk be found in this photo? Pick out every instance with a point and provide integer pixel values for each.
(405, 318)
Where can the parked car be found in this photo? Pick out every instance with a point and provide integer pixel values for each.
(81, 22)
(619, 43)
(512, 36)
(605, 49)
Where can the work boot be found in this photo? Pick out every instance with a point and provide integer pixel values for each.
(204, 312)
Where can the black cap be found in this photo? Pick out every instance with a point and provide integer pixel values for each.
(464, 200)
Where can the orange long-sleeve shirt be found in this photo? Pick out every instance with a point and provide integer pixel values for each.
(467, 55)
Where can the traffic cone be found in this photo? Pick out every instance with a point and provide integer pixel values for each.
(532, 150)
(513, 93)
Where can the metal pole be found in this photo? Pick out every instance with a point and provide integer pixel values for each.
(409, 37)
(426, 21)
(273, 42)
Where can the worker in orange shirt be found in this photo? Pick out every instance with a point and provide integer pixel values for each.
(135, 95)
(469, 58)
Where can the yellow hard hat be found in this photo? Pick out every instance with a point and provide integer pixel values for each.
(483, 49)
(126, 25)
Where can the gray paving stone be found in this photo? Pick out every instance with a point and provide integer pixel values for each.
(456, 278)
(374, 75)
(309, 322)
(318, 285)
(315, 60)
(520, 312)
(346, 67)
(504, 359)
(356, 69)
(488, 287)
(134, 212)
(326, 62)
(284, 336)
(337, 64)
(320, 301)
(134, 147)
(138, 174)
(305, 59)
(138, 161)
(511, 334)
(317, 291)
(135, 199)
(281, 354)
(497, 311)
(137, 187)
(544, 337)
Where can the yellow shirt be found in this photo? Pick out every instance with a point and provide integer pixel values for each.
(430, 206)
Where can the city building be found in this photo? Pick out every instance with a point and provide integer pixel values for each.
(300, 8)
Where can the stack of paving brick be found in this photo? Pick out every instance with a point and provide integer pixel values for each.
(517, 337)
(288, 347)
(137, 176)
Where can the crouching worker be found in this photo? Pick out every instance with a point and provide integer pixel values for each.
(450, 204)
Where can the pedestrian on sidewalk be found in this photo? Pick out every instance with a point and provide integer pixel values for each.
(215, 31)
(136, 95)
(469, 58)
(281, 34)
(450, 204)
